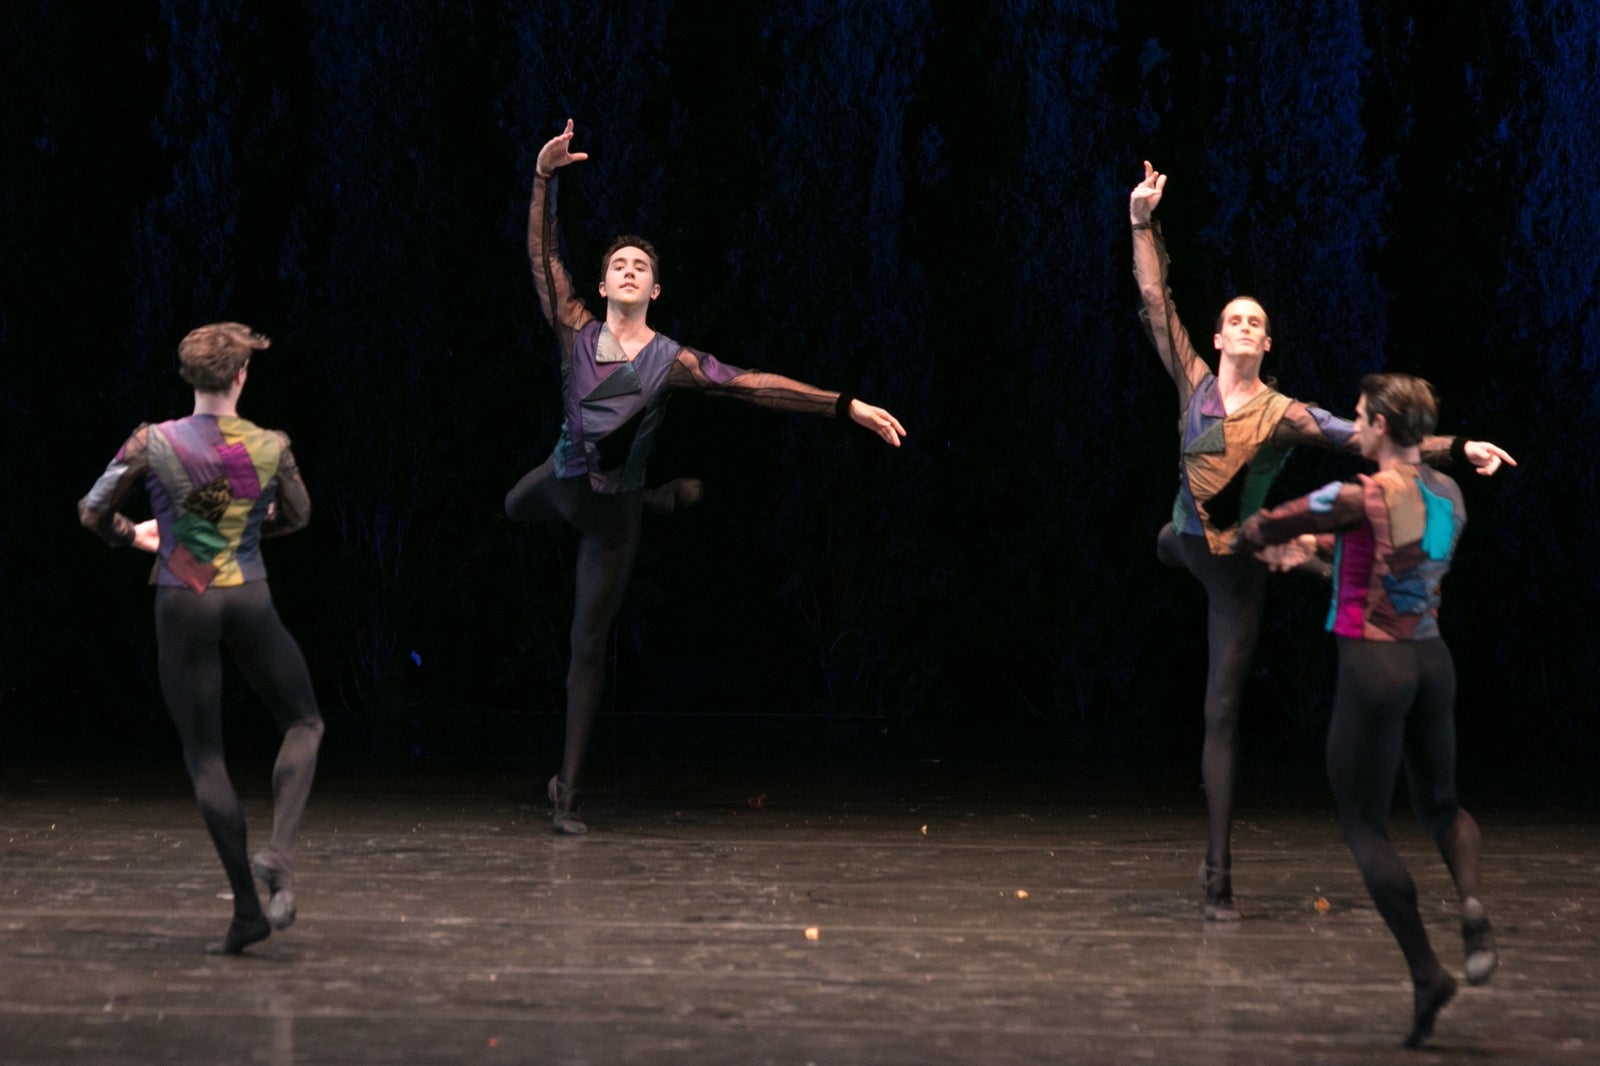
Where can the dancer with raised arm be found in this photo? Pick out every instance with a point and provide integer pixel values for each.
(616, 374)
(1391, 537)
(219, 484)
(1236, 430)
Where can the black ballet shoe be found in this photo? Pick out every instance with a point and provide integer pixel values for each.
(241, 934)
(675, 495)
(1478, 942)
(1217, 884)
(280, 903)
(1426, 1003)
(564, 799)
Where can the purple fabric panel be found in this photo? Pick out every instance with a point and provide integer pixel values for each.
(1336, 429)
(585, 376)
(197, 441)
(1205, 407)
(718, 371)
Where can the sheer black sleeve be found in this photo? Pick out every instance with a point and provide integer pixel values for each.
(291, 507)
(97, 512)
(557, 298)
(1160, 315)
(710, 376)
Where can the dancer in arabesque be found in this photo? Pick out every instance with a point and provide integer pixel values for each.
(616, 375)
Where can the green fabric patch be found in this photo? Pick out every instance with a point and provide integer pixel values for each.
(201, 537)
(1212, 442)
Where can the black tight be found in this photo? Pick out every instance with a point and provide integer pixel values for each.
(1235, 590)
(1395, 706)
(190, 633)
(608, 540)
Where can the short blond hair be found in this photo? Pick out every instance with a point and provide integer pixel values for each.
(210, 356)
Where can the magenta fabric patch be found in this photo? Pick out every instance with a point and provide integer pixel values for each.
(1348, 621)
(243, 481)
(1356, 550)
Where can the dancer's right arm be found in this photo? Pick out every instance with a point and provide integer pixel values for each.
(1159, 315)
(561, 307)
(1337, 505)
(97, 512)
(291, 506)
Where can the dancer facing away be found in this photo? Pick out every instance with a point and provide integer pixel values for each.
(218, 484)
(1236, 431)
(616, 375)
(1394, 703)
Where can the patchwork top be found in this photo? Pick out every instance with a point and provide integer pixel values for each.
(1391, 534)
(611, 404)
(1227, 461)
(217, 485)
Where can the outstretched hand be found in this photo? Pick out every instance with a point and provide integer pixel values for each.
(555, 152)
(1487, 457)
(1146, 195)
(878, 420)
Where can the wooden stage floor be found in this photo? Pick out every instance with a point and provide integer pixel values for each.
(953, 923)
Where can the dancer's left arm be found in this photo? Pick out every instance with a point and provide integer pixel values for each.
(97, 512)
(698, 370)
(1308, 424)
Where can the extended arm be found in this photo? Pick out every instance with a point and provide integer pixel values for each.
(97, 512)
(698, 370)
(557, 300)
(1158, 314)
(1337, 505)
(1308, 424)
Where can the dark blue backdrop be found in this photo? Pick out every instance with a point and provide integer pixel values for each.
(924, 203)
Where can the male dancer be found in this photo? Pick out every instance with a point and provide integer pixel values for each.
(1395, 701)
(218, 484)
(1236, 431)
(616, 375)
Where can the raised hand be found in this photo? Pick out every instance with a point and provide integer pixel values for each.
(556, 152)
(1146, 195)
(878, 420)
